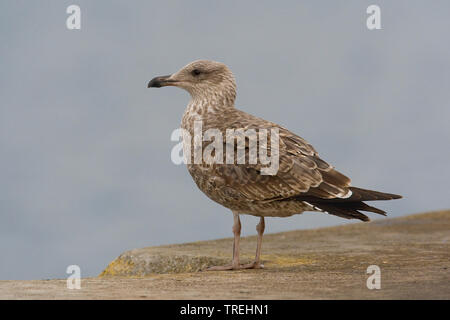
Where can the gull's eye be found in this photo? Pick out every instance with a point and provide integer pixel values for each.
(196, 72)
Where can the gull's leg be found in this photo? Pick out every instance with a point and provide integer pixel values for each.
(260, 229)
(237, 235)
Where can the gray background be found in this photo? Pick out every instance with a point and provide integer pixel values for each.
(85, 147)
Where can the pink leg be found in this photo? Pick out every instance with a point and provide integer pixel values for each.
(237, 238)
(260, 229)
(235, 265)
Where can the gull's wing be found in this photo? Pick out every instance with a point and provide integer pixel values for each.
(302, 174)
(301, 171)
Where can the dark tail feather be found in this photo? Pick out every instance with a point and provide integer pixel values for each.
(348, 207)
(365, 207)
(340, 210)
(359, 194)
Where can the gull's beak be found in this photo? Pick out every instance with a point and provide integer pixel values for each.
(161, 81)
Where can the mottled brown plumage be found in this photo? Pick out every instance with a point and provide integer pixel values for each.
(303, 182)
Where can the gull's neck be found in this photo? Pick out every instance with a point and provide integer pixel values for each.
(213, 102)
(207, 103)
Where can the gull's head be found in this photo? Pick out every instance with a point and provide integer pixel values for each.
(202, 79)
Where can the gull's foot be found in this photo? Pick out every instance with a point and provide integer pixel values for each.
(253, 265)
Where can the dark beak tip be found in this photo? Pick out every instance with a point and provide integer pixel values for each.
(154, 83)
(158, 82)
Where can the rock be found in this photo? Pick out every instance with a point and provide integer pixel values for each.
(412, 253)
(388, 240)
(145, 262)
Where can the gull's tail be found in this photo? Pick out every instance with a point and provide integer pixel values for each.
(348, 208)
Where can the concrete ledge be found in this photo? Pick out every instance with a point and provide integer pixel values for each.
(412, 252)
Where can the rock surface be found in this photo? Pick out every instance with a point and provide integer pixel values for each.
(413, 254)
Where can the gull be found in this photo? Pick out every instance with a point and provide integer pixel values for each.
(303, 181)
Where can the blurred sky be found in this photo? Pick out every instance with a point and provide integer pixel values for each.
(85, 147)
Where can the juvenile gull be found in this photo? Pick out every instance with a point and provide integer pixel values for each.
(303, 182)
